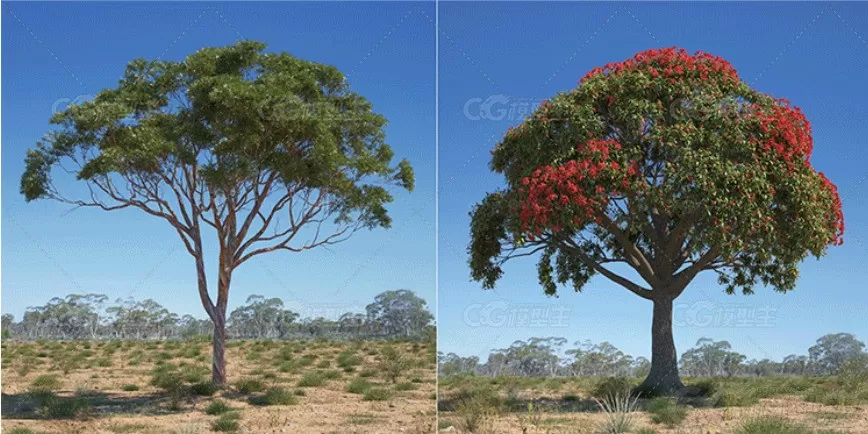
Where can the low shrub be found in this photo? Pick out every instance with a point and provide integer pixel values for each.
(217, 406)
(46, 382)
(347, 359)
(393, 364)
(476, 405)
(204, 388)
(734, 398)
(405, 386)
(666, 411)
(611, 387)
(358, 386)
(377, 394)
(249, 385)
(227, 422)
(618, 409)
(770, 425)
(312, 379)
(275, 396)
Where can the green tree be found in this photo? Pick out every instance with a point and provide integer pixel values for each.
(265, 151)
(711, 358)
(833, 350)
(6, 322)
(400, 312)
(261, 318)
(668, 164)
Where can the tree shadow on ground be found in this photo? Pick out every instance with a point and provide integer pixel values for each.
(93, 404)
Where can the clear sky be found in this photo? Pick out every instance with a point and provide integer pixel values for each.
(814, 54)
(56, 53)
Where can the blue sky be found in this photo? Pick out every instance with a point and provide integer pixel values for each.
(814, 54)
(56, 53)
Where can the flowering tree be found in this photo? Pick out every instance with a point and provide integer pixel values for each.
(667, 163)
(265, 152)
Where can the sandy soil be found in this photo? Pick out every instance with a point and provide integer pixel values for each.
(324, 409)
(852, 419)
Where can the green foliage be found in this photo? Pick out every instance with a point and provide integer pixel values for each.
(227, 422)
(666, 411)
(167, 377)
(130, 387)
(249, 385)
(400, 312)
(853, 373)
(47, 382)
(312, 379)
(837, 394)
(612, 386)
(734, 397)
(51, 406)
(247, 116)
(358, 386)
(393, 364)
(275, 396)
(476, 405)
(377, 394)
(771, 425)
(204, 388)
(348, 359)
(683, 152)
(707, 387)
(20, 429)
(405, 386)
(331, 375)
(217, 406)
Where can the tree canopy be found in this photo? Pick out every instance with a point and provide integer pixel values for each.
(667, 162)
(228, 129)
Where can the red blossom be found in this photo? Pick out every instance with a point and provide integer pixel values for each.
(573, 192)
(785, 131)
(671, 63)
(836, 221)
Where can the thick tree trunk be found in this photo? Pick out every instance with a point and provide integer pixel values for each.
(218, 366)
(663, 378)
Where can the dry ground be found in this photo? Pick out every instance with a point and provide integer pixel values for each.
(565, 406)
(103, 375)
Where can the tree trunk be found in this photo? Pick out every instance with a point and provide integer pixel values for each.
(663, 378)
(218, 367)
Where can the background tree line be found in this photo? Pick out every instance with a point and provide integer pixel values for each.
(550, 357)
(392, 314)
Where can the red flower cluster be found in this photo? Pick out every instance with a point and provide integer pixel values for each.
(572, 192)
(787, 132)
(671, 63)
(838, 221)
